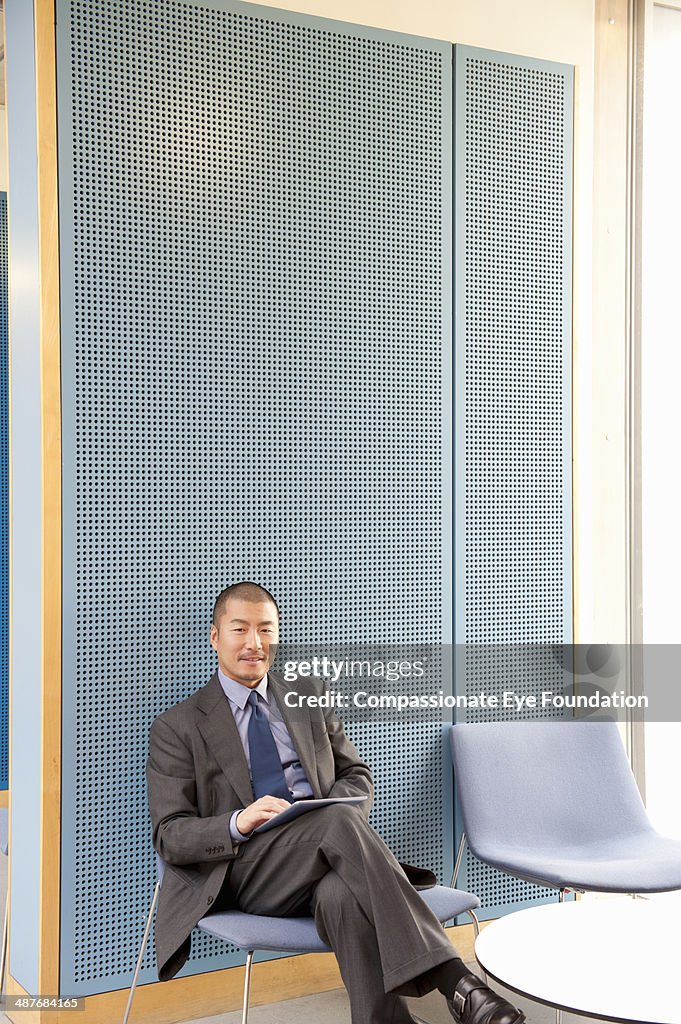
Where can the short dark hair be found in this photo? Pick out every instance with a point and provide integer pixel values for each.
(247, 591)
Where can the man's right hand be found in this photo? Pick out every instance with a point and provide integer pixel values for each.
(259, 812)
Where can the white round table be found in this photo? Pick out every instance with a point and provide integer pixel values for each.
(619, 959)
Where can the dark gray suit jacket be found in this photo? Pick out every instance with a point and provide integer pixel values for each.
(197, 776)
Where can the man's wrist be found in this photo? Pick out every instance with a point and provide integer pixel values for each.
(237, 835)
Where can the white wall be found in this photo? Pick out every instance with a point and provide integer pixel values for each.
(661, 333)
(660, 382)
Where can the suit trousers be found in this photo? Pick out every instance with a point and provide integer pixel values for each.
(331, 862)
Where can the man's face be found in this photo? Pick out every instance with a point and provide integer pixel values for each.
(245, 639)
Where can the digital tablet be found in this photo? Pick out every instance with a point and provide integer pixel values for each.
(303, 806)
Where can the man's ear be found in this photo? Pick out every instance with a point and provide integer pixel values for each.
(214, 637)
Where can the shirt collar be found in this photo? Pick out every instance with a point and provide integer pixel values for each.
(237, 692)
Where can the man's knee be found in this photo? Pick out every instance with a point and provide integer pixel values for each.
(343, 817)
(331, 894)
(330, 890)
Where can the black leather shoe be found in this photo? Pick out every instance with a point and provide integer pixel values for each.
(475, 1003)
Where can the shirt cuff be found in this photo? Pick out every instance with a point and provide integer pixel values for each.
(237, 837)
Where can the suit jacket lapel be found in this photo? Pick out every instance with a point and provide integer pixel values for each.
(300, 730)
(219, 730)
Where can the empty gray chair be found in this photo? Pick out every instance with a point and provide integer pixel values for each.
(252, 932)
(556, 803)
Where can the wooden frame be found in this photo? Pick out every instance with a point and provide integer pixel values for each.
(50, 397)
(50, 385)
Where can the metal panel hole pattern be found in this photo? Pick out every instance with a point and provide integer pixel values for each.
(515, 367)
(499, 891)
(524, 669)
(252, 207)
(513, 183)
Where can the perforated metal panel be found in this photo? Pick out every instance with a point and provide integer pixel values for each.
(4, 501)
(513, 213)
(255, 257)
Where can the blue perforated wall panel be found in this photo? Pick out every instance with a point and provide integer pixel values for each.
(255, 215)
(513, 329)
(4, 501)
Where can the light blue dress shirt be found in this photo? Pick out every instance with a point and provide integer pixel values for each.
(294, 773)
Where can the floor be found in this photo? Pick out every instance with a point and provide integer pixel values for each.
(332, 1008)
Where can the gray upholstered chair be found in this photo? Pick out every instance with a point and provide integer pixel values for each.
(252, 932)
(556, 803)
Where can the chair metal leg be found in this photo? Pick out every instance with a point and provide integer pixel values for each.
(561, 899)
(247, 986)
(459, 859)
(143, 947)
(476, 928)
(3, 953)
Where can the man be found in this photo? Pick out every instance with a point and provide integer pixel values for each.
(230, 758)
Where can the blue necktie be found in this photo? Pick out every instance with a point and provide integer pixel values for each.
(267, 775)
